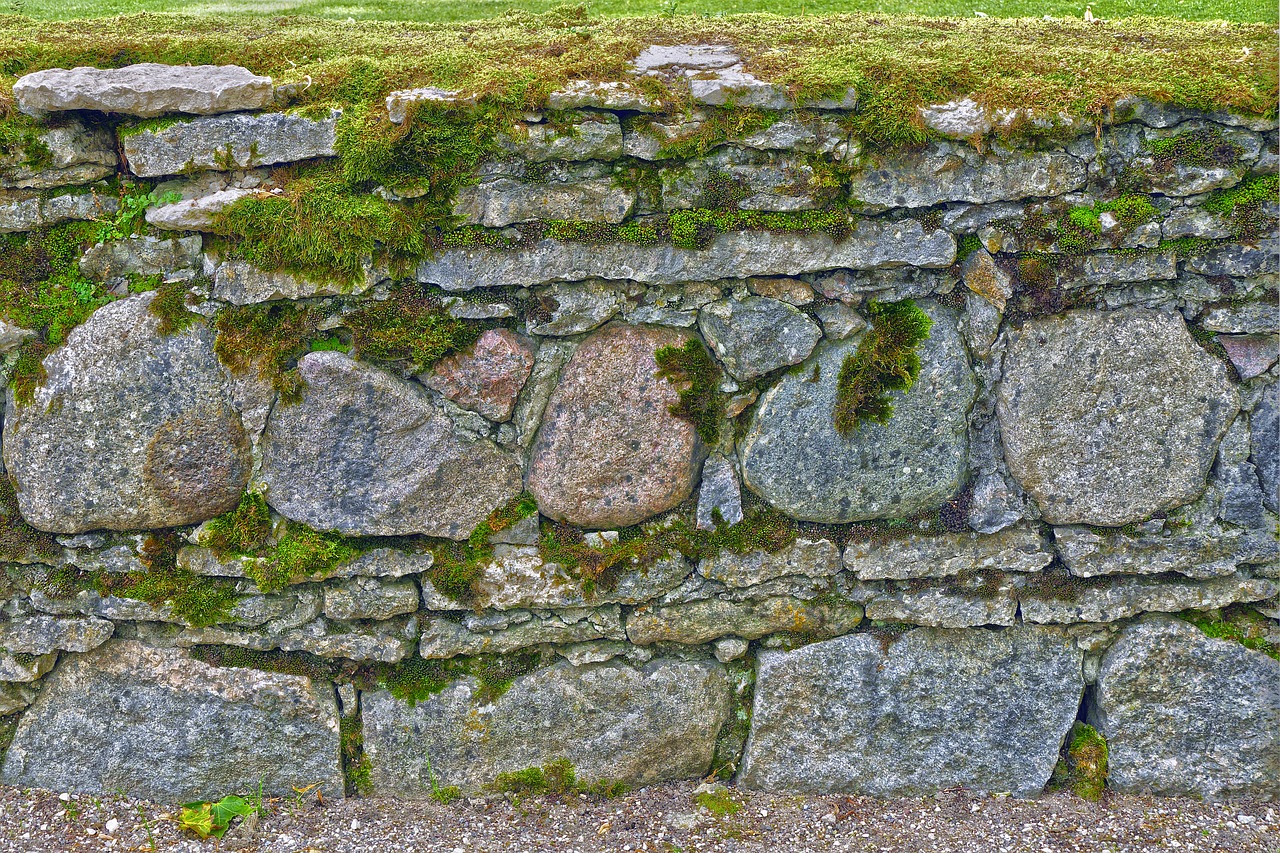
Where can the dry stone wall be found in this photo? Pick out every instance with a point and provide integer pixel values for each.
(611, 518)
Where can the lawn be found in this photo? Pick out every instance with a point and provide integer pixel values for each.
(460, 10)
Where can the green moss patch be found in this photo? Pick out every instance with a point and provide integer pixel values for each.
(20, 541)
(356, 768)
(692, 369)
(884, 361)
(411, 327)
(556, 778)
(1237, 623)
(268, 339)
(1083, 766)
(1243, 203)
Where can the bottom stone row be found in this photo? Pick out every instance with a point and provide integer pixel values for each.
(868, 713)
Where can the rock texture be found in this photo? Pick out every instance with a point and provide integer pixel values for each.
(365, 453)
(228, 142)
(937, 708)
(146, 89)
(612, 721)
(609, 452)
(1185, 715)
(755, 336)
(131, 430)
(1108, 418)
(793, 457)
(488, 376)
(160, 725)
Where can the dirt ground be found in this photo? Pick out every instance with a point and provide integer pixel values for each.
(663, 818)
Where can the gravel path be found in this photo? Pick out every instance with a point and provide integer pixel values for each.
(662, 818)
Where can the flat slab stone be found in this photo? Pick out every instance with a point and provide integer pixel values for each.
(1109, 417)
(226, 143)
(503, 202)
(611, 721)
(367, 453)
(241, 283)
(793, 457)
(163, 726)
(132, 430)
(1124, 597)
(610, 453)
(194, 214)
(144, 256)
(78, 154)
(874, 244)
(147, 89)
(1014, 549)
(697, 622)
(935, 709)
(1186, 715)
(27, 211)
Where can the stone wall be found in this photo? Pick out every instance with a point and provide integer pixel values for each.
(252, 533)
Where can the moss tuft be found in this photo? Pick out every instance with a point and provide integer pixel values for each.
(20, 541)
(884, 361)
(1239, 624)
(299, 553)
(1086, 762)
(1204, 148)
(170, 306)
(701, 401)
(268, 338)
(556, 778)
(457, 564)
(245, 530)
(1243, 203)
(356, 768)
(718, 802)
(409, 327)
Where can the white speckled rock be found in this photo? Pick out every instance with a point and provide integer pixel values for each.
(147, 89)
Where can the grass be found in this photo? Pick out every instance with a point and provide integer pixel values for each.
(461, 10)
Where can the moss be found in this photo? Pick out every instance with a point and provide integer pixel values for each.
(556, 778)
(1083, 769)
(268, 339)
(356, 768)
(1238, 624)
(333, 343)
(170, 306)
(966, 246)
(20, 140)
(732, 737)
(245, 530)
(1208, 341)
(20, 541)
(884, 361)
(1204, 148)
(457, 564)
(718, 802)
(410, 327)
(692, 369)
(1243, 203)
(300, 552)
(8, 728)
(718, 126)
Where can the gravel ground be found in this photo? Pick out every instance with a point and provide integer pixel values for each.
(662, 818)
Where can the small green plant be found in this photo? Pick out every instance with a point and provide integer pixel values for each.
(1243, 203)
(212, 820)
(1083, 767)
(884, 361)
(555, 778)
(300, 552)
(129, 219)
(719, 802)
(441, 794)
(697, 376)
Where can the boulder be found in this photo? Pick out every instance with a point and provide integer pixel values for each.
(755, 335)
(610, 453)
(612, 721)
(1110, 417)
(367, 453)
(161, 725)
(147, 89)
(131, 430)
(937, 708)
(226, 143)
(1188, 716)
(793, 457)
(487, 377)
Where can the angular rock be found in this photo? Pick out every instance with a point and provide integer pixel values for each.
(497, 204)
(1251, 318)
(815, 558)
(570, 309)
(987, 710)
(11, 336)
(25, 668)
(147, 89)
(839, 321)
(131, 430)
(131, 717)
(553, 354)
(40, 634)
(1206, 552)
(14, 697)
(1264, 440)
(775, 181)
(1195, 222)
(944, 607)
(740, 254)
(23, 211)
(1105, 269)
(699, 621)
(77, 154)
(366, 453)
(983, 277)
(714, 74)
(644, 725)
(961, 119)
(795, 133)
(587, 136)
(1186, 715)
(143, 256)
(946, 171)
(1242, 262)
(488, 376)
(793, 457)
(1013, 549)
(719, 492)
(195, 214)
(241, 283)
(446, 638)
(1252, 355)
(390, 641)
(754, 336)
(610, 453)
(669, 304)
(1128, 596)
(1108, 418)
(612, 96)
(226, 143)
(370, 598)
(792, 291)
(518, 577)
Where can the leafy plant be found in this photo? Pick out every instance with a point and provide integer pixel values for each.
(206, 820)
(884, 361)
(129, 219)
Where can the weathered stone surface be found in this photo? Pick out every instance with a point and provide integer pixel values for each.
(241, 283)
(699, 621)
(946, 171)
(944, 607)
(792, 291)
(1014, 549)
(612, 96)
(11, 336)
(770, 180)
(1202, 553)
(161, 725)
(553, 354)
(1252, 318)
(1242, 261)
(960, 119)
(754, 336)
(714, 74)
(488, 376)
(1121, 598)
(1108, 418)
(1104, 269)
(517, 629)
(1186, 715)
(1252, 355)
(195, 214)
(839, 321)
(586, 136)
(984, 709)
(669, 304)
(147, 89)
(815, 558)
(796, 133)
(740, 254)
(609, 452)
(1264, 440)
(228, 142)
(367, 453)
(389, 641)
(400, 102)
(570, 309)
(983, 277)
(23, 668)
(24, 211)
(143, 256)
(517, 577)
(370, 598)
(644, 725)
(1195, 222)
(14, 697)
(793, 457)
(78, 154)
(40, 634)
(131, 429)
(718, 492)
(497, 204)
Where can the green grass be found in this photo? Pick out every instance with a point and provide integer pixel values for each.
(461, 10)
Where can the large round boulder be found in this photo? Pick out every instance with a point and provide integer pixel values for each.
(1110, 417)
(610, 453)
